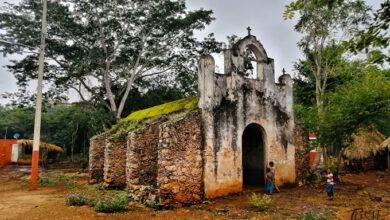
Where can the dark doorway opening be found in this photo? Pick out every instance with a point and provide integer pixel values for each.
(253, 156)
(381, 160)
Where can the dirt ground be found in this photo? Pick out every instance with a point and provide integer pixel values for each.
(368, 193)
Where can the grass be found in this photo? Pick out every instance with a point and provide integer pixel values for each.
(312, 213)
(260, 202)
(106, 201)
(141, 118)
(43, 181)
(58, 179)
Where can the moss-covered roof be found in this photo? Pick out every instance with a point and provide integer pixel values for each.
(143, 117)
(164, 109)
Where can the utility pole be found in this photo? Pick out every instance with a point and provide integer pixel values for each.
(38, 104)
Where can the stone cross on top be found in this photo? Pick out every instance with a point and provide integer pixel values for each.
(249, 30)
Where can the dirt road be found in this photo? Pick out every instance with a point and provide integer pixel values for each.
(367, 193)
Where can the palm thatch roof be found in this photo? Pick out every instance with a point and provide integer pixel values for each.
(49, 147)
(386, 143)
(365, 144)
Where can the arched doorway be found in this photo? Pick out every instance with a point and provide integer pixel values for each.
(253, 155)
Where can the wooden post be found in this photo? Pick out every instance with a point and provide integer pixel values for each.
(38, 105)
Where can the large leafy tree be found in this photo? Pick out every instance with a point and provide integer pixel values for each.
(104, 47)
(325, 24)
(362, 103)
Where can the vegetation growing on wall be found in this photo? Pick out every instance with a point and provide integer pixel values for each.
(140, 118)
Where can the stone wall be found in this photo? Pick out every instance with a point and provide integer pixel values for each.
(141, 168)
(96, 157)
(115, 164)
(302, 151)
(180, 160)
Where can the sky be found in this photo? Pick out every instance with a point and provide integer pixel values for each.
(265, 17)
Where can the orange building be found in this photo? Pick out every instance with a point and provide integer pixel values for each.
(6, 151)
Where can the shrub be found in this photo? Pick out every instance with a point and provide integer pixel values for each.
(117, 203)
(260, 202)
(47, 181)
(312, 213)
(76, 200)
(155, 204)
(71, 185)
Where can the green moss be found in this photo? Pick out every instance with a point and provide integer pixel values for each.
(164, 109)
(141, 118)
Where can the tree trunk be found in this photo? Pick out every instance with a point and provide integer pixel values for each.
(124, 97)
(107, 86)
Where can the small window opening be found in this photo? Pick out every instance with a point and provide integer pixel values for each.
(250, 64)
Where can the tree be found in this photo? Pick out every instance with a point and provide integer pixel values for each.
(305, 107)
(363, 103)
(67, 125)
(103, 47)
(325, 24)
(375, 39)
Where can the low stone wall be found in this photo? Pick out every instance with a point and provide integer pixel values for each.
(115, 164)
(141, 164)
(96, 157)
(302, 166)
(180, 166)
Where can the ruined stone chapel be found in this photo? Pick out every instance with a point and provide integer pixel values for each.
(207, 146)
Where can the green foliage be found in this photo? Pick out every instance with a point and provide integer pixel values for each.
(324, 25)
(312, 213)
(155, 204)
(139, 118)
(375, 38)
(76, 200)
(43, 181)
(332, 164)
(69, 182)
(164, 109)
(117, 203)
(260, 201)
(362, 103)
(67, 125)
(121, 45)
(307, 116)
(305, 108)
(13, 120)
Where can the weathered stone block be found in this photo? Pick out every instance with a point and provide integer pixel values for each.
(96, 157)
(115, 164)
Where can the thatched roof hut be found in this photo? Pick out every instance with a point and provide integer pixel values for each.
(386, 143)
(365, 145)
(49, 147)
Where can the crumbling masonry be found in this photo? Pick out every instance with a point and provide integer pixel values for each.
(216, 148)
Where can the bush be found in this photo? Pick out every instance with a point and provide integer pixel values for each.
(260, 202)
(312, 213)
(155, 204)
(47, 181)
(76, 200)
(118, 203)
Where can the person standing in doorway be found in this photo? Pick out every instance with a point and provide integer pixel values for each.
(269, 181)
(272, 168)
